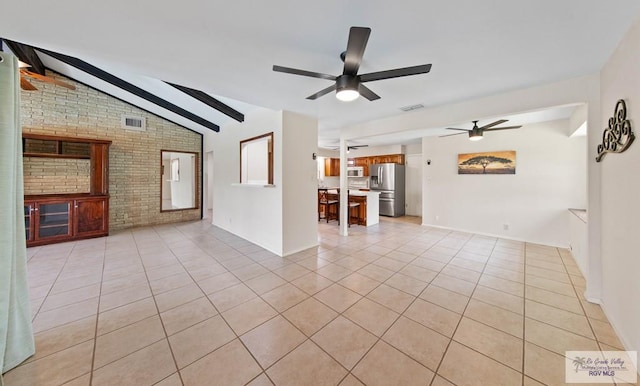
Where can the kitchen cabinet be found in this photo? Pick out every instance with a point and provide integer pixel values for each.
(364, 163)
(332, 167)
(56, 218)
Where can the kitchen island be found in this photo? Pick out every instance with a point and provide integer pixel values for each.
(369, 210)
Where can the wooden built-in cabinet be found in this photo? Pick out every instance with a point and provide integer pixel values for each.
(332, 165)
(55, 218)
(51, 218)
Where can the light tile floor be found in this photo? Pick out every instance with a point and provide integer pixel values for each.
(394, 304)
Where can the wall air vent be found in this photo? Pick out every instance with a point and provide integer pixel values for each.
(131, 122)
(412, 107)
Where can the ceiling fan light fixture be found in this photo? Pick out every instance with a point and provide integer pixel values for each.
(475, 135)
(347, 88)
(347, 95)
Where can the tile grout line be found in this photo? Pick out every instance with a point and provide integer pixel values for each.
(221, 317)
(458, 324)
(400, 314)
(524, 316)
(166, 336)
(95, 336)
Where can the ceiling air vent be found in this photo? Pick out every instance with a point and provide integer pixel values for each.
(412, 107)
(134, 123)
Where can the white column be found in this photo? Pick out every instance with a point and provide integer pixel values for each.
(344, 189)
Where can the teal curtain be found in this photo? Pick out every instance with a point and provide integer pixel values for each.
(16, 332)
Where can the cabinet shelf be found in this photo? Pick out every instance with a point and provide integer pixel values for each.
(55, 155)
(54, 225)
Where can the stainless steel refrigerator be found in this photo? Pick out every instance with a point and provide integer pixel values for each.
(388, 179)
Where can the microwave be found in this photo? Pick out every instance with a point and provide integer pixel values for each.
(355, 171)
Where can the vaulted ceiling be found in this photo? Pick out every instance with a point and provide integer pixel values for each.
(227, 49)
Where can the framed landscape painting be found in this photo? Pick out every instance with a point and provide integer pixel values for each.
(494, 162)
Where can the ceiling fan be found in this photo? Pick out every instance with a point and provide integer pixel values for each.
(28, 86)
(348, 86)
(27, 54)
(352, 147)
(475, 133)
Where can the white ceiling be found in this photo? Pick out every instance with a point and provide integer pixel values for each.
(477, 48)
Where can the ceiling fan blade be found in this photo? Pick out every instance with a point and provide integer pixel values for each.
(367, 93)
(295, 71)
(48, 79)
(358, 37)
(451, 128)
(449, 135)
(396, 73)
(356, 146)
(496, 123)
(322, 92)
(26, 85)
(504, 128)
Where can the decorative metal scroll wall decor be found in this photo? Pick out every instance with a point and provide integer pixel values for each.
(618, 136)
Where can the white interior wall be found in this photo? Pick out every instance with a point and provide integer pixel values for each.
(254, 213)
(620, 186)
(413, 184)
(375, 150)
(299, 194)
(413, 148)
(533, 203)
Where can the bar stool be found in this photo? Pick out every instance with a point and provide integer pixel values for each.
(325, 205)
(354, 206)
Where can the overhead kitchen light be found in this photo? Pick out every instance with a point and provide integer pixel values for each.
(475, 135)
(347, 88)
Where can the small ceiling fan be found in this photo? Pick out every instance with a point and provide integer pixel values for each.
(475, 133)
(28, 86)
(352, 147)
(348, 86)
(23, 57)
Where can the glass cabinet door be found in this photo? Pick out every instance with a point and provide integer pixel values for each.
(54, 219)
(28, 220)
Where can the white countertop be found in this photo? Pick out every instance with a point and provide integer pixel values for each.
(352, 192)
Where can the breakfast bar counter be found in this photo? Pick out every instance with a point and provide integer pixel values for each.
(369, 209)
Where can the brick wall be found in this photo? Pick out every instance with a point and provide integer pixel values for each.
(134, 156)
(56, 175)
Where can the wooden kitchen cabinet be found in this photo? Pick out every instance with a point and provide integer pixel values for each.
(364, 163)
(332, 167)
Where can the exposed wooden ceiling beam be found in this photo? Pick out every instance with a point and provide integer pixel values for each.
(131, 88)
(27, 55)
(210, 101)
